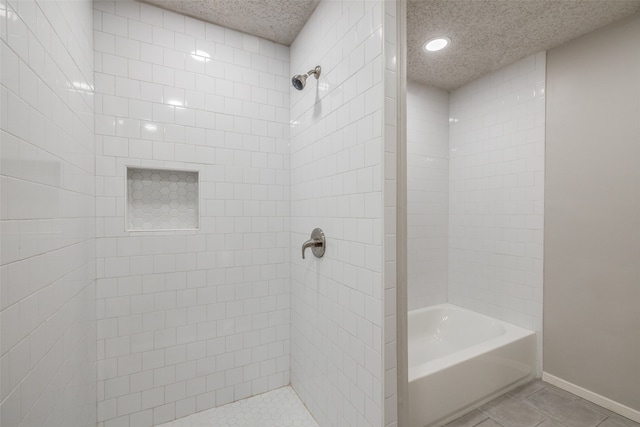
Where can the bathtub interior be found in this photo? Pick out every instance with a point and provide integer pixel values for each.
(443, 330)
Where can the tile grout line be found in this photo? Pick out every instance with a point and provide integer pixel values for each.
(526, 399)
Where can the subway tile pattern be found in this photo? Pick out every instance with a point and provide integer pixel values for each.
(496, 194)
(390, 382)
(427, 195)
(190, 320)
(47, 265)
(337, 179)
(160, 199)
(277, 408)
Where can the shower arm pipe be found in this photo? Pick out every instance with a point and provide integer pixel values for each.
(316, 72)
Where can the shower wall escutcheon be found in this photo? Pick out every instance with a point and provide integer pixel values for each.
(317, 243)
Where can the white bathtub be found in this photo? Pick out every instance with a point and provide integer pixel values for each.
(459, 359)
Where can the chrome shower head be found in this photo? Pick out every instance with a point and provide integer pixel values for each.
(300, 80)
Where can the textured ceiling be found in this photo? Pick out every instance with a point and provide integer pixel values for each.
(276, 20)
(489, 34)
(486, 34)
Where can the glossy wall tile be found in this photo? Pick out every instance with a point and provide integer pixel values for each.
(190, 319)
(337, 184)
(47, 215)
(427, 195)
(187, 320)
(496, 194)
(392, 12)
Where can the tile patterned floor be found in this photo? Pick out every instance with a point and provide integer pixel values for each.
(278, 408)
(535, 404)
(538, 404)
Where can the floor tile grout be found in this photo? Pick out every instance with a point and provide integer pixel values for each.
(555, 407)
(273, 409)
(516, 408)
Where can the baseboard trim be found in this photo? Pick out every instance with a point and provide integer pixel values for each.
(611, 405)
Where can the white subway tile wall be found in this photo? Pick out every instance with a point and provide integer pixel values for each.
(390, 382)
(427, 195)
(190, 320)
(496, 194)
(47, 221)
(337, 178)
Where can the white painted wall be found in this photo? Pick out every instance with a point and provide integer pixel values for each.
(427, 195)
(592, 216)
(190, 320)
(496, 194)
(337, 180)
(47, 222)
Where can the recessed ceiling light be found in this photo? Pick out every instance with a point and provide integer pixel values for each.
(436, 43)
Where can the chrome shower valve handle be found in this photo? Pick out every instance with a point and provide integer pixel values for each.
(317, 243)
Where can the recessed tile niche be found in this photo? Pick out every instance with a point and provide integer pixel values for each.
(161, 199)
